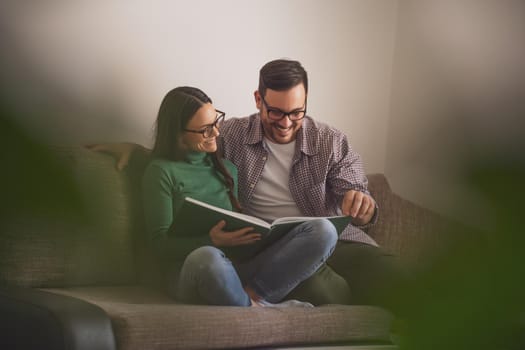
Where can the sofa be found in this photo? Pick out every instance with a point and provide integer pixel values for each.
(90, 281)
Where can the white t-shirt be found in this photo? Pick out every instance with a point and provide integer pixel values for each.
(271, 197)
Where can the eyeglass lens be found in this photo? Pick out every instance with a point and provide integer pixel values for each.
(208, 131)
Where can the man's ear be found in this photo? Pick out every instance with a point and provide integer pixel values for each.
(258, 99)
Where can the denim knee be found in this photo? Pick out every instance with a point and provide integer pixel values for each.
(205, 260)
(209, 277)
(324, 233)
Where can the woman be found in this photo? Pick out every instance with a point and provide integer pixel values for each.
(185, 164)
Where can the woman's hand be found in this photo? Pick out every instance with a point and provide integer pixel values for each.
(221, 238)
(121, 151)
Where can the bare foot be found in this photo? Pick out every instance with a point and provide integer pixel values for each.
(254, 297)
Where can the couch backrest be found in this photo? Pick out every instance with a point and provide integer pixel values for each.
(406, 229)
(95, 249)
(108, 246)
(380, 190)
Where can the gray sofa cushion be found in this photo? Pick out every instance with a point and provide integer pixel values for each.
(96, 247)
(30, 257)
(145, 319)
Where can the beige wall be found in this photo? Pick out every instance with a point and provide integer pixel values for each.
(106, 65)
(415, 84)
(457, 93)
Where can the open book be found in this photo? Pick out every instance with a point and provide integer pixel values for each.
(197, 216)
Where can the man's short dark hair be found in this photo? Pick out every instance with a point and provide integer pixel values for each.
(281, 75)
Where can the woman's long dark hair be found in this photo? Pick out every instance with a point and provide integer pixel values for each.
(176, 110)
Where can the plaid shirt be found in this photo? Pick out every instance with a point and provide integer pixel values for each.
(324, 167)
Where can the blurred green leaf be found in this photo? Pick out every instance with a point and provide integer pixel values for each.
(32, 180)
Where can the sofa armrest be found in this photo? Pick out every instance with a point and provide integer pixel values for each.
(35, 319)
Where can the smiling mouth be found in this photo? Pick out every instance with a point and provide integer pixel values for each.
(281, 129)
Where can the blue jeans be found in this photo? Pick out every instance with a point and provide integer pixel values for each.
(209, 277)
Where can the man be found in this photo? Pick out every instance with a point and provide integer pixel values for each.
(291, 165)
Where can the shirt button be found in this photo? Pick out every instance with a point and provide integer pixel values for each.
(264, 158)
(252, 185)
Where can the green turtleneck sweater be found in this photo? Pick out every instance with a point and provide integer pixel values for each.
(165, 184)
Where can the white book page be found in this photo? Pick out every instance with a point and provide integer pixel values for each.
(248, 218)
(299, 219)
(292, 219)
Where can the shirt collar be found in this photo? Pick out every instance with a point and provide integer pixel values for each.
(255, 130)
(307, 137)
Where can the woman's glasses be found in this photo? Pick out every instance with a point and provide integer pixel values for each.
(208, 130)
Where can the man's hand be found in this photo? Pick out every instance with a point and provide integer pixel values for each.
(222, 238)
(359, 205)
(121, 151)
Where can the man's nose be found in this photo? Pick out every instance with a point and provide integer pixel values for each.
(285, 121)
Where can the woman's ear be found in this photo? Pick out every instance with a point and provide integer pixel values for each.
(183, 145)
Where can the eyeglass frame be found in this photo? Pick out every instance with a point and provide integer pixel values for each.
(208, 129)
(284, 114)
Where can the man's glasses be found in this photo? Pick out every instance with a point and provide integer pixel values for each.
(276, 114)
(208, 130)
